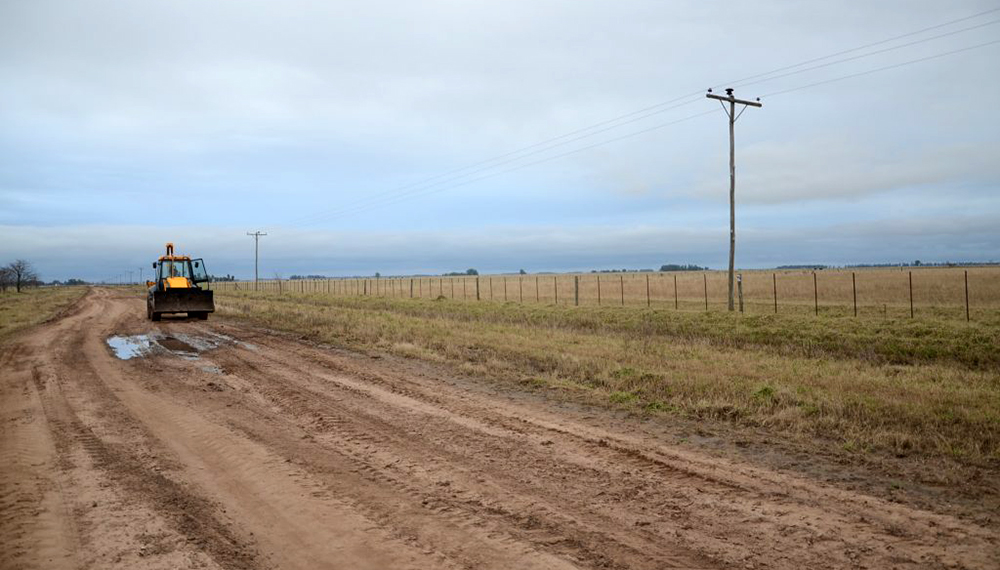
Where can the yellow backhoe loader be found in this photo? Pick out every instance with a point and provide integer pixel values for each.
(176, 289)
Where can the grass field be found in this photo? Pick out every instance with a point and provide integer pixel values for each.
(880, 293)
(21, 310)
(926, 386)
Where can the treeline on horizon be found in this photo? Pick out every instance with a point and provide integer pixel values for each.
(669, 267)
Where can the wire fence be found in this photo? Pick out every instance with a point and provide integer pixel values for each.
(964, 293)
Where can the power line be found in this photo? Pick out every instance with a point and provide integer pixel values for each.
(416, 189)
(420, 187)
(869, 54)
(428, 191)
(431, 190)
(878, 69)
(873, 44)
(256, 242)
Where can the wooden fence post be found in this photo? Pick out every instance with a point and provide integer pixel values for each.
(677, 305)
(854, 289)
(774, 281)
(555, 288)
(576, 290)
(520, 289)
(621, 279)
(966, 295)
(704, 277)
(536, 289)
(815, 294)
(647, 290)
(477, 288)
(911, 294)
(504, 288)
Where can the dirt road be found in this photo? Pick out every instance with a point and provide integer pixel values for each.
(221, 446)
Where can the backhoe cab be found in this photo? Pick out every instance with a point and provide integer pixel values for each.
(176, 289)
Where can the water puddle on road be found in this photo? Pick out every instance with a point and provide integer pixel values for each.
(128, 347)
(183, 345)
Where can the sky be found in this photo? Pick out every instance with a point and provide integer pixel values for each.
(421, 137)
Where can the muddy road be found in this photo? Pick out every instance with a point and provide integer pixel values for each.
(221, 446)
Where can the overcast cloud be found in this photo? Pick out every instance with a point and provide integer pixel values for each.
(127, 124)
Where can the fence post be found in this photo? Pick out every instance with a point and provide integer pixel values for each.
(774, 281)
(465, 288)
(854, 289)
(452, 281)
(739, 284)
(491, 288)
(555, 287)
(504, 288)
(647, 290)
(477, 288)
(677, 305)
(520, 290)
(815, 294)
(704, 277)
(911, 294)
(621, 279)
(966, 295)
(576, 290)
(279, 286)
(598, 289)
(536, 289)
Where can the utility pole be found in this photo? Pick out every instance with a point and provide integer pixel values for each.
(140, 275)
(731, 112)
(256, 240)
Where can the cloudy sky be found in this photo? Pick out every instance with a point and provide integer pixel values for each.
(420, 137)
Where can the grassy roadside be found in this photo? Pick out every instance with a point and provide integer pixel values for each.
(33, 306)
(900, 386)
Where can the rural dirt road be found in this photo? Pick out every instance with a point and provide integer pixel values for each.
(263, 451)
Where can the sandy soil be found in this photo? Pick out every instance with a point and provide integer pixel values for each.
(269, 452)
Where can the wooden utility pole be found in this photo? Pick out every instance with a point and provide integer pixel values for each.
(731, 112)
(256, 239)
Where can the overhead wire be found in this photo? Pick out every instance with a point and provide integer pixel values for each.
(443, 181)
(427, 191)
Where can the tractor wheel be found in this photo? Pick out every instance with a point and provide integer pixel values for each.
(201, 315)
(154, 317)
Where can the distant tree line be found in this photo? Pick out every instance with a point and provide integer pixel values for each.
(676, 267)
(67, 283)
(223, 278)
(459, 273)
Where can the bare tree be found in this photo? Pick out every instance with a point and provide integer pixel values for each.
(23, 273)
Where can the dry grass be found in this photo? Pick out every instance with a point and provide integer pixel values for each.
(21, 310)
(900, 385)
(881, 293)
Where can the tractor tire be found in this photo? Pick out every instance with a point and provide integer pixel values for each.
(154, 317)
(201, 315)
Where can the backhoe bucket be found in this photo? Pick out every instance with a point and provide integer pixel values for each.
(183, 301)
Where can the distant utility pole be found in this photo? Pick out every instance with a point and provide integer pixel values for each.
(256, 240)
(731, 111)
(140, 274)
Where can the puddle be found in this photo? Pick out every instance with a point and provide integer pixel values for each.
(176, 345)
(128, 347)
(185, 346)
